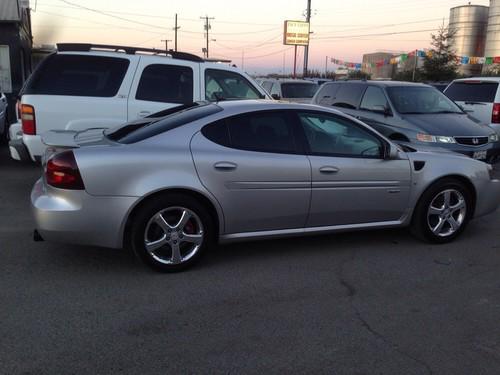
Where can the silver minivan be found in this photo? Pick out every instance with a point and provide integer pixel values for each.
(479, 97)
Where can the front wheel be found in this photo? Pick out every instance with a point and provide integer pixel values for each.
(171, 232)
(442, 212)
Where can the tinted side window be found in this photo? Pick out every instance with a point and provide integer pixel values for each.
(326, 94)
(217, 132)
(472, 92)
(78, 75)
(374, 99)
(334, 136)
(262, 131)
(348, 95)
(166, 84)
(222, 84)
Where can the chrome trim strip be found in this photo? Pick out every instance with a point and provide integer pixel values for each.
(264, 235)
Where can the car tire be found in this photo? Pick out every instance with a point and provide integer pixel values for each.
(4, 137)
(442, 212)
(171, 232)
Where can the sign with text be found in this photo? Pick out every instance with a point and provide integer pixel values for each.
(296, 33)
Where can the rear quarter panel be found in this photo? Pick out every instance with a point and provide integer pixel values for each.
(142, 169)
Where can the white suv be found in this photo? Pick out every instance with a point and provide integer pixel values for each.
(84, 86)
(479, 97)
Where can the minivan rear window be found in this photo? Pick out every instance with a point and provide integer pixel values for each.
(476, 91)
(77, 75)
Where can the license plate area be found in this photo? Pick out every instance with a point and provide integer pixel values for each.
(479, 155)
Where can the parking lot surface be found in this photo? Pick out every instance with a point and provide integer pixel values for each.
(359, 303)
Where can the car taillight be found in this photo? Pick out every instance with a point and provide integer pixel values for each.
(62, 172)
(495, 114)
(28, 119)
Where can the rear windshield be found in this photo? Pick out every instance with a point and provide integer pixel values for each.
(298, 90)
(77, 75)
(475, 91)
(138, 130)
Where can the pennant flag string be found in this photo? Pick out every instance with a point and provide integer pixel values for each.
(461, 60)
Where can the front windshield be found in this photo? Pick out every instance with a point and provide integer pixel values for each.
(420, 100)
(298, 90)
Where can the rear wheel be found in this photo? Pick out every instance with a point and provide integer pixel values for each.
(171, 232)
(442, 212)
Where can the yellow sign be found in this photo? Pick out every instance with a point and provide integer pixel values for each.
(296, 33)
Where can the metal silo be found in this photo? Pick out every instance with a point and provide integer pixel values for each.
(470, 23)
(493, 32)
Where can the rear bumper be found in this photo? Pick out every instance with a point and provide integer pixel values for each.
(34, 145)
(75, 217)
(18, 150)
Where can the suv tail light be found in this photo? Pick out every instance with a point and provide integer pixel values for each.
(62, 172)
(495, 114)
(28, 119)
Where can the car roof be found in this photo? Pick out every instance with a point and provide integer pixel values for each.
(263, 104)
(288, 80)
(491, 79)
(382, 83)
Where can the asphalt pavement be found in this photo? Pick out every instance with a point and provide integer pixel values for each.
(378, 302)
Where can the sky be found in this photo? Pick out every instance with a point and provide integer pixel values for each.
(250, 33)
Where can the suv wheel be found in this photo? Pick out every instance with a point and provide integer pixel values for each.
(171, 232)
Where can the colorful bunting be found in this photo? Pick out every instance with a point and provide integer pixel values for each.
(463, 60)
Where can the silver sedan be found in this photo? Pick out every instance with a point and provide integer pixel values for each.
(172, 185)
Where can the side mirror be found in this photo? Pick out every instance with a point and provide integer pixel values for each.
(275, 96)
(391, 152)
(386, 111)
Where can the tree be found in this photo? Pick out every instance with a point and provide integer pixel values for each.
(358, 74)
(440, 63)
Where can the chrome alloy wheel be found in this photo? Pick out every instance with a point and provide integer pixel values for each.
(446, 213)
(173, 235)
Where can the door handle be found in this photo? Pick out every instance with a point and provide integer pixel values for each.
(144, 113)
(328, 170)
(225, 166)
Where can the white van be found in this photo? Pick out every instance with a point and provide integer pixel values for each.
(84, 86)
(479, 97)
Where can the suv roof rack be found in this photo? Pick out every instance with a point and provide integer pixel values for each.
(86, 47)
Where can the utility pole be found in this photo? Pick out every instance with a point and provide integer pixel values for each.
(326, 66)
(415, 65)
(166, 43)
(175, 31)
(207, 30)
(306, 48)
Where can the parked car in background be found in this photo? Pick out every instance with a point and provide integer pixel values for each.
(479, 97)
(4, 126)
(291, 90)
(414, 113)
(84, 86)
(171, 185)
(441, 86)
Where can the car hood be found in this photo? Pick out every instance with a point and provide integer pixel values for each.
(448, 124)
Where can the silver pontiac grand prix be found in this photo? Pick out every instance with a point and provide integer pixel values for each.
(171, 185)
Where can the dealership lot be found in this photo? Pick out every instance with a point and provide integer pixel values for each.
(358, 303)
